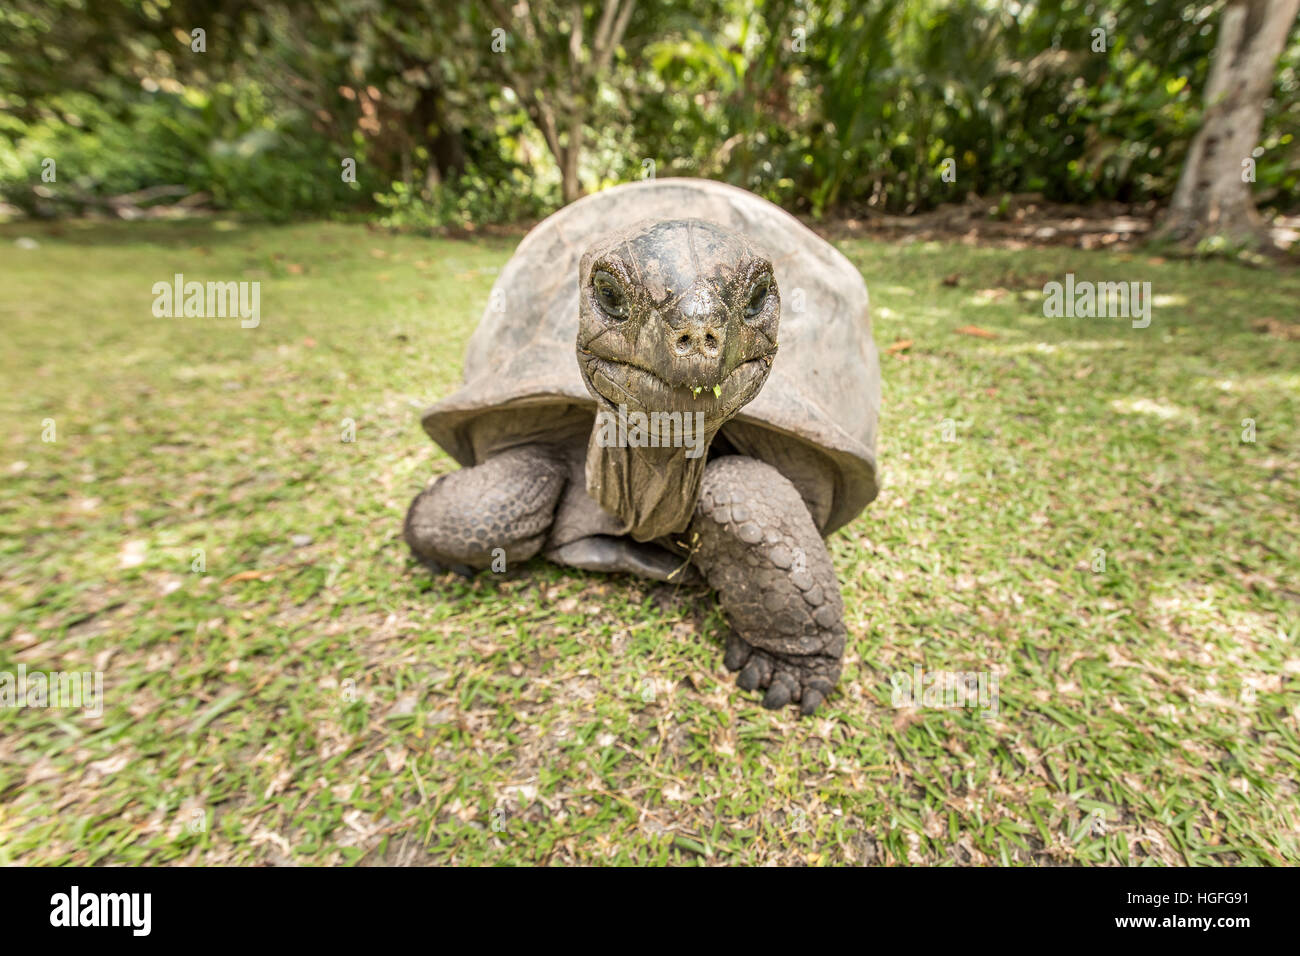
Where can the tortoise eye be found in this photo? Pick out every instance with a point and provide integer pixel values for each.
(609, 296)
(758, 297)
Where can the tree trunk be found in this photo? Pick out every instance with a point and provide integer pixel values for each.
(1213, 194)
(570, 182)
(432, 129)
(559, 100)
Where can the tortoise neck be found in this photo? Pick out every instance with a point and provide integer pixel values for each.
(646, 474)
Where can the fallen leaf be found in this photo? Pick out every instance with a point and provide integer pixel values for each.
(43, 769)
(395, 757)
(132, 554)
(266, 836)
(404, 706)
(110, 765)
(1275, 328)
(899, 346)
(976, 331)
(259, 575)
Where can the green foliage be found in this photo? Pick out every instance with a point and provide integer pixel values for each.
(881, 93)
(829, 105)
(467, 200)
(230, 143)
(93, 149)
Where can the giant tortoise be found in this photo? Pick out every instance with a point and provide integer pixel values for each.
(625, 407)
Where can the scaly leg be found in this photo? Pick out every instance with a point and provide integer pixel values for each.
(507, 502)
(759, 549)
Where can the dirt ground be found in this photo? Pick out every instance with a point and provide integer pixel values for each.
(1021, 222)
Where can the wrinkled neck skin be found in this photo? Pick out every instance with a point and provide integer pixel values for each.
(651, 490)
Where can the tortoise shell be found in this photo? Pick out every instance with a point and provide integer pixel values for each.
(820, 404)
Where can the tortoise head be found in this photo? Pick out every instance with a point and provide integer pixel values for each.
(676, 316)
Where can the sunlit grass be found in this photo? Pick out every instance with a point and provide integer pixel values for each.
(314, 697)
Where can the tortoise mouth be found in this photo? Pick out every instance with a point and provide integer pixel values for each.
(621, 383)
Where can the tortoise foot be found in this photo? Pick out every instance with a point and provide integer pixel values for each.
(788, 679)
(759, 548)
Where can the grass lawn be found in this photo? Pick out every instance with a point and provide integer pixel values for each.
(313, 696)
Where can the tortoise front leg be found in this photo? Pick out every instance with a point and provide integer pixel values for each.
(759, 549)
(507, 502)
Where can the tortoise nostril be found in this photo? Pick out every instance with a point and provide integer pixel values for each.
(697, 341)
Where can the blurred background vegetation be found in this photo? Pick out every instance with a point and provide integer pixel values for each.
(466, 112)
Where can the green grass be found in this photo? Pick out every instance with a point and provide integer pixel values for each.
(314, 697)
